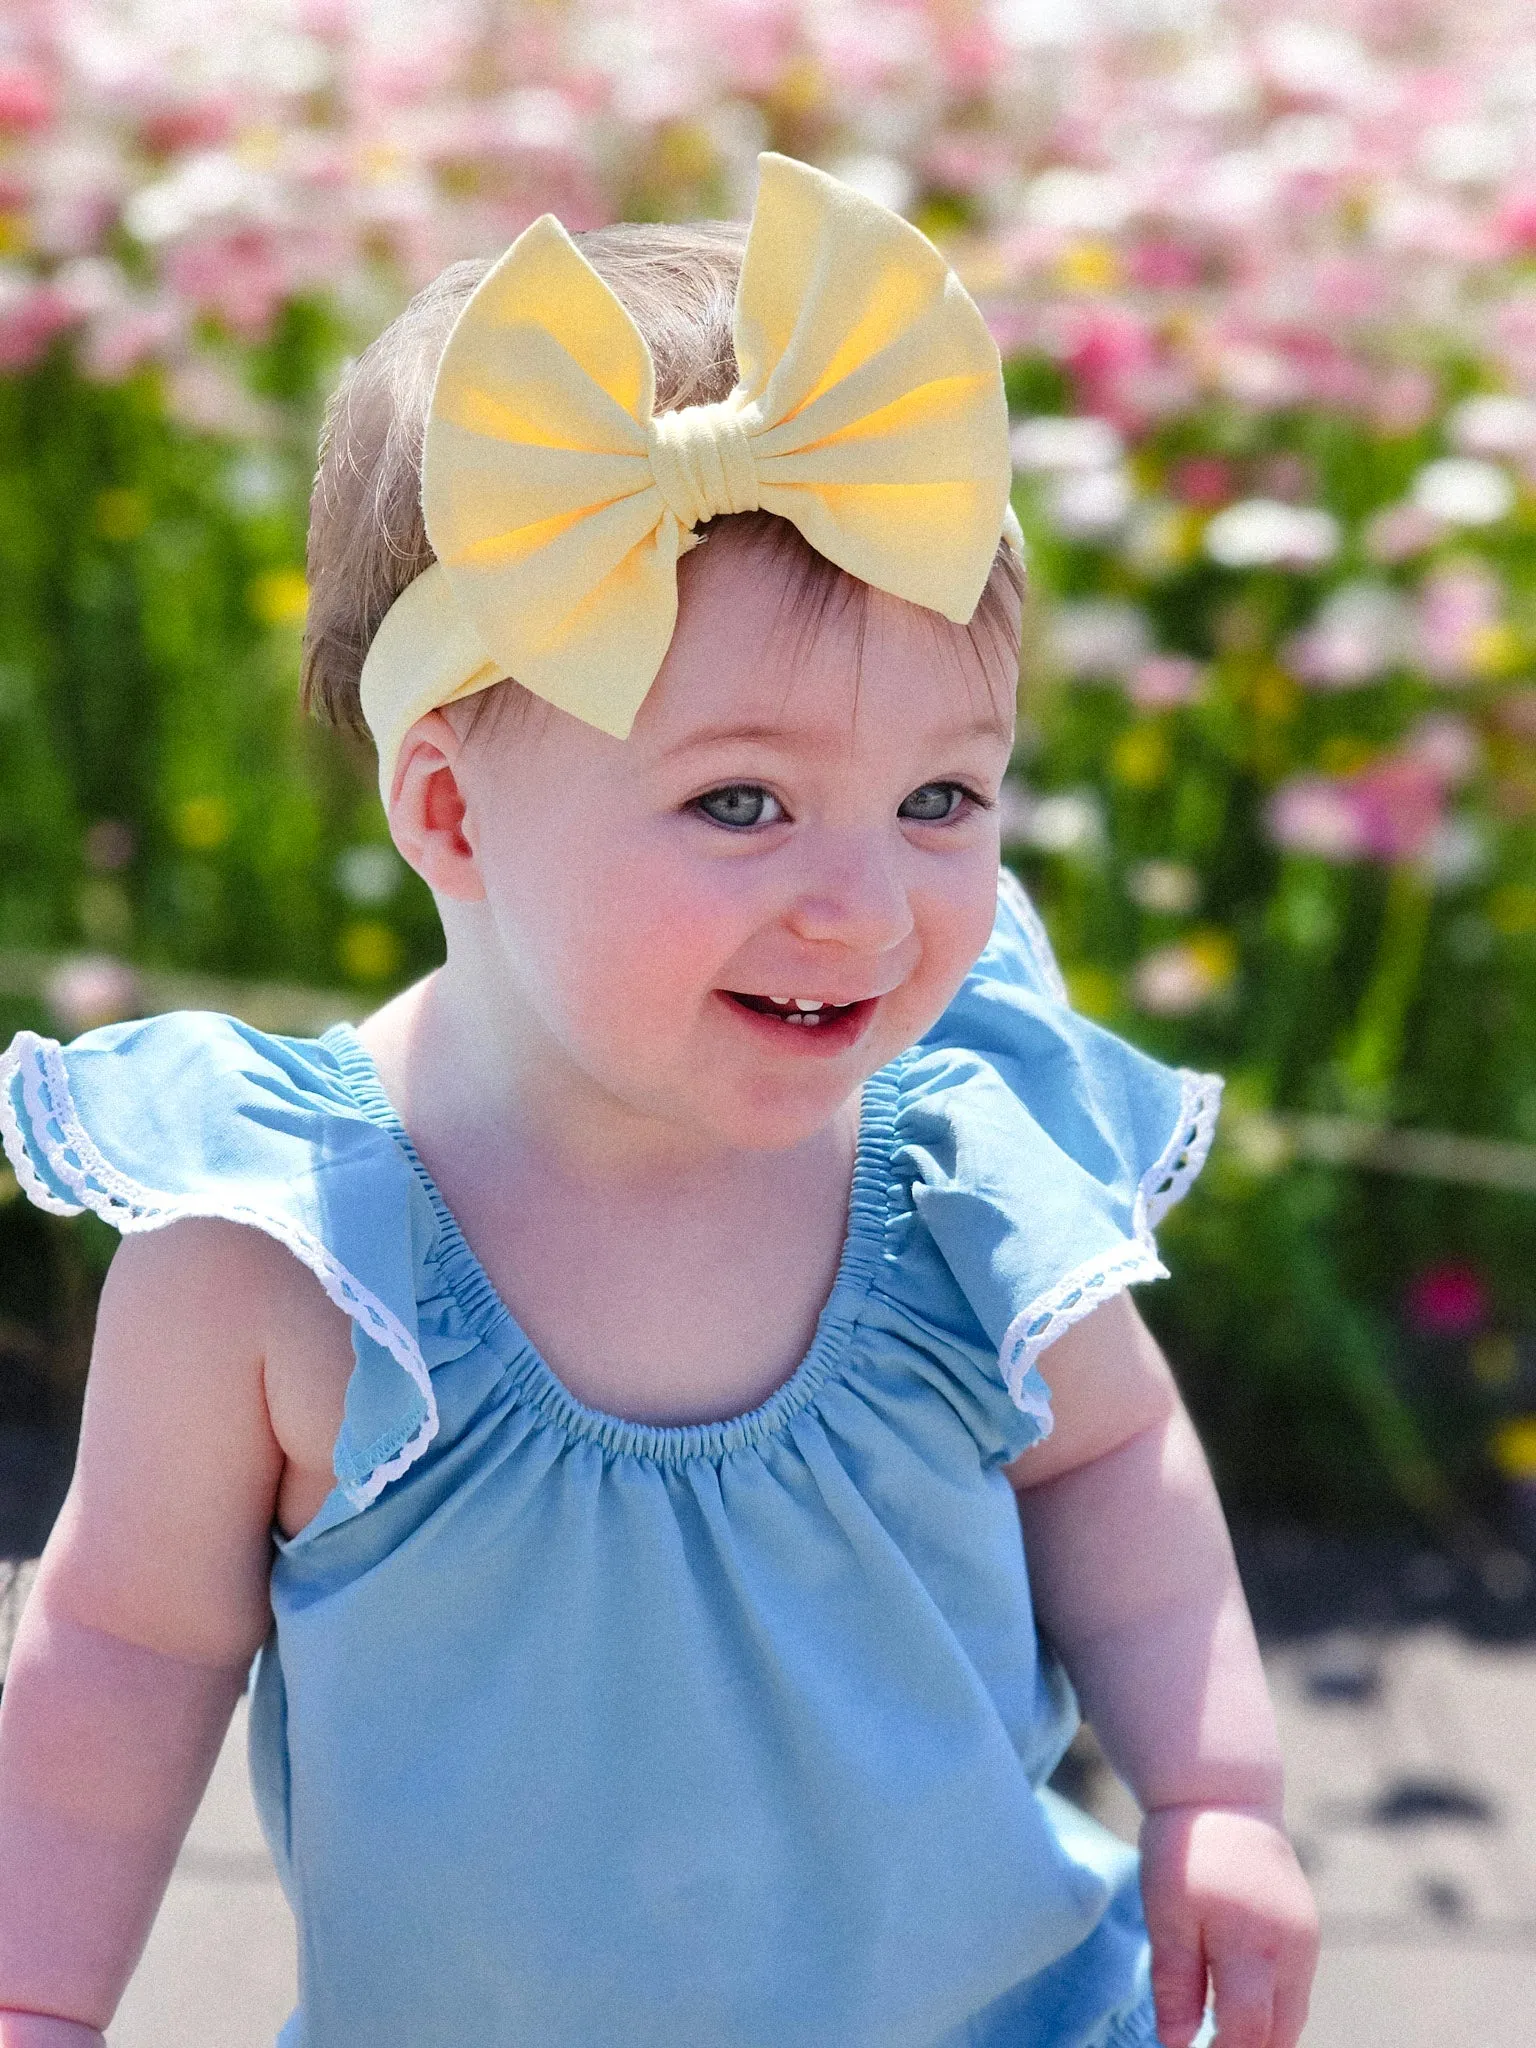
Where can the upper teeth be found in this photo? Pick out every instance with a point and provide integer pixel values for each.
(807, 1002)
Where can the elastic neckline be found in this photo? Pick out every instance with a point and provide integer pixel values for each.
(662, 1442)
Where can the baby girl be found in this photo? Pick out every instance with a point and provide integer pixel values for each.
(659, 1400)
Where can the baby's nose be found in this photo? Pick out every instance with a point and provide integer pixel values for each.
(852, 895)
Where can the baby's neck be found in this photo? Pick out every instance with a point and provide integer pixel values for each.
(665, 1285)
(463, 1081)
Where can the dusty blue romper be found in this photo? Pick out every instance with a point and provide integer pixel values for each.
(578, 1732)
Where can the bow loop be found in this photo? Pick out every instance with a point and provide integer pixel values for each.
(703, 463)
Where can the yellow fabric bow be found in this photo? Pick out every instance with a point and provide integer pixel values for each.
(868, 409)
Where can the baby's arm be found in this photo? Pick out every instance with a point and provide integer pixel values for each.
(1135, 1584)
(149, 1604)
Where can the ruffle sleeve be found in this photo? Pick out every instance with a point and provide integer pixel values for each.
(196, 1114)
(1039, 1151)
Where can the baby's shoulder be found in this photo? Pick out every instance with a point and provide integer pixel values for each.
(1034, 1154)
(218, 1150)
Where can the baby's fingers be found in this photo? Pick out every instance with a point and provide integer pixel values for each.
(1178, 1991)
(1260, 1979)
(1244, 1985)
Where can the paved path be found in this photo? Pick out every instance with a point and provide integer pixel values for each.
(1412, 1799)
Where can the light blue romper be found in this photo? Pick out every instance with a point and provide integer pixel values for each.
(577, 1732)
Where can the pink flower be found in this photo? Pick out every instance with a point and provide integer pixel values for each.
(1398, 803)
(1362, 629)
(1403, 400)
(90, 989)
(1107, 348)
(1458, 605)
(1448, 745)
(1447, 1300)
(972, 53)
(1165, 680)
(189, 124)
(1161, 264)
(1312, 814)
(1398, 532)
(1205, 481)
(26, 98)
(116, 342)
(30, 316)
(241, 277)
(1170, 982)
(1514, 224)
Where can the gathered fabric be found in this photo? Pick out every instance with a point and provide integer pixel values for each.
(574, 1728)
(868, 409)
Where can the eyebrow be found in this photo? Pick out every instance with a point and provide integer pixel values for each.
(778, 735)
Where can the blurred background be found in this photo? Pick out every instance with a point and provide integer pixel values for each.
(1263, 276)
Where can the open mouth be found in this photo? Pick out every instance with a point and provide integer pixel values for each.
(809, 1023)
(810, 1012)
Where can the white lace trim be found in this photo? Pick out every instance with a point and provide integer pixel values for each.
(1135, 1260)
(98, 1186)
(1016, 896)
(1166, 1181)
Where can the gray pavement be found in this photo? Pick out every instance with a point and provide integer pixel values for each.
(1412, 1800)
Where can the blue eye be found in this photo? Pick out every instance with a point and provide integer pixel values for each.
(740, 805)
(934, 804)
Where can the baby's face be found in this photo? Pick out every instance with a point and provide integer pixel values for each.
(731, 919)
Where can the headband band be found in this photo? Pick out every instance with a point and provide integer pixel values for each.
(868, 409)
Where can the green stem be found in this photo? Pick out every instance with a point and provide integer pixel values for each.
(1374, 1053)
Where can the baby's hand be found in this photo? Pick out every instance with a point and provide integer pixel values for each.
(1224, 1893)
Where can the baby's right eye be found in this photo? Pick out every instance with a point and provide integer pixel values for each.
(740, 805)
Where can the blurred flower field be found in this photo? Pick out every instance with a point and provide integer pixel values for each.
(1264, 280)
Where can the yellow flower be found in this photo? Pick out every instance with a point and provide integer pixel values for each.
(279, 597)
(260, 146)
(1092, 990)
(1273, 695)
(1514, 1447)
(381, 162)
(15, 234)
(202, 823)
(1141, 757)
(1214, 952)
(121, 514)
(1344, 754)
(799, 88)
(1512, 909)
(1494, 650)
(369, 950)
(1088, 267)
(685, 154)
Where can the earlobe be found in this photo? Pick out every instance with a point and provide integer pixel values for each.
(428, 812)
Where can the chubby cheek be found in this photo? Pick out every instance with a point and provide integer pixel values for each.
(634, 940)
(953, 923)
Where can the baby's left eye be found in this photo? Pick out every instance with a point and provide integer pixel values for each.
(934, 804)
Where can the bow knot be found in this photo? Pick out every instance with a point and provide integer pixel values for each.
(702, 462)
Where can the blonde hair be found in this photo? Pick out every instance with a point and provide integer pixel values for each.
(366, 536)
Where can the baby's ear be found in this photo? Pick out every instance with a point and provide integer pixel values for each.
(426, 810)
